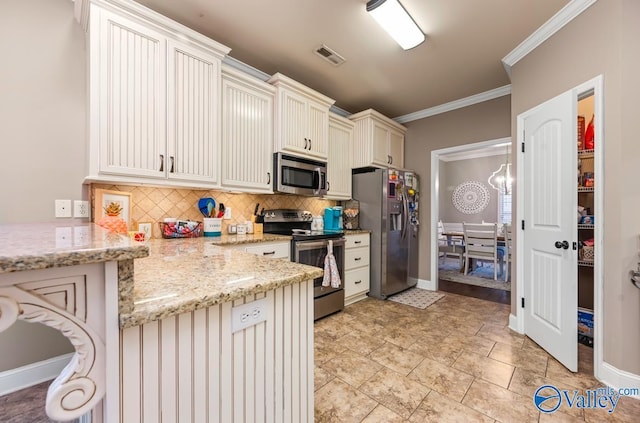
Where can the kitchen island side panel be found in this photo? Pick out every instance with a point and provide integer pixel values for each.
(193, 367)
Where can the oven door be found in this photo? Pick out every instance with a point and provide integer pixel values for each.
(313, 253)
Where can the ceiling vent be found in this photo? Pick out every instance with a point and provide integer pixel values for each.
(329, 55)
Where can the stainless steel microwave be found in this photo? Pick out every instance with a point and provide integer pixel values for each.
(297, 175)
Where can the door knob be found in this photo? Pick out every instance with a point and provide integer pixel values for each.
(562, 244)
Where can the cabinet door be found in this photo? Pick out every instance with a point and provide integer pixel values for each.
(339, 160)
(247, 132)
(192, 119)
(317, 130)
(396, 149)
(380, 144)
(293, 122)
(130, 98)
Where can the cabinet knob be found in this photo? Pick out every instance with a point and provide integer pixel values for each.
(562, 244)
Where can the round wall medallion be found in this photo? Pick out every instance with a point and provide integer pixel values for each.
(470, 197)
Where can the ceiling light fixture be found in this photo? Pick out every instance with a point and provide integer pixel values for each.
(501, 179)
(394, 19)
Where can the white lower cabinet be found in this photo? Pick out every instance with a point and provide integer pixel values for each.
(270, 249)
(356, 268)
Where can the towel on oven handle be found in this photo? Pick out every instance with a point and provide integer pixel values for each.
(331, 273)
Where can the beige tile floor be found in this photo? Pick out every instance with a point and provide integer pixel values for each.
(456, 361)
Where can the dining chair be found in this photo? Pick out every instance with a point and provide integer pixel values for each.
(507, 254)
(481, 242)
(449, 247)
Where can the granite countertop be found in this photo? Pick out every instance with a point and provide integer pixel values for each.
(33, 246)
(183, 275)
(167, 277)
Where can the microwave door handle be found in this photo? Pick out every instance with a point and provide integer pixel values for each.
(319, 187)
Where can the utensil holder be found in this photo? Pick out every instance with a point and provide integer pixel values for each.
(212, 226)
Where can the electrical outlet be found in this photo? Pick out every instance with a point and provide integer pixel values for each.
(63, 208)
(249, 314)
(227, 213)
(80, 208)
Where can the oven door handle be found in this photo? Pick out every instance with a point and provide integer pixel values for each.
(314, 245)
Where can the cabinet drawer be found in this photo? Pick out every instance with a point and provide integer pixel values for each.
(278, 250)
(356, 281)
(357, 240)
(356, 257)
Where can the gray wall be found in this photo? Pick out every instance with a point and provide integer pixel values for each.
(454, 173)
(602, 40)
(485, 121)
(42, 133)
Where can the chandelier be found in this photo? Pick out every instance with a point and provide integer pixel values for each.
(501, 179)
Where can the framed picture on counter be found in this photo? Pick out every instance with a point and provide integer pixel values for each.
(113, 203)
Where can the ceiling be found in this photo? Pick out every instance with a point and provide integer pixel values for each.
(461, 57)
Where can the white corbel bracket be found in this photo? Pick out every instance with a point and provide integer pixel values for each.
(81, 384)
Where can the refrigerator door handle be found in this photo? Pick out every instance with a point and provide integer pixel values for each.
(405, 215)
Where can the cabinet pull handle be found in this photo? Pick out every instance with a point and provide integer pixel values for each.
(268, 253)
(305, 143)
(391, 159)
(357, 242)
(161, 162)
(268, 178)
(357, 259)
(172, 160)
(309, 144)
(328, 186)
(357, 282)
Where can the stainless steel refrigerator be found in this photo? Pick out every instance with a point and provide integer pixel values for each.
(389, 208)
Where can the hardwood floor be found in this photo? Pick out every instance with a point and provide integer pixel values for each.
(489, 294)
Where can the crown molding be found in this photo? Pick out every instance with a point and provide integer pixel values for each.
(548, 29)
(456, 104)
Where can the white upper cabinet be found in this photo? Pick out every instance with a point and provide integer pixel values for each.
(154, 99)
(339, 162)
(247, 132)
(378, 140)
(301, 119)
(193, 139)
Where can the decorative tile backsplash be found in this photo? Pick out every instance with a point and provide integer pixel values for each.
(153, 204)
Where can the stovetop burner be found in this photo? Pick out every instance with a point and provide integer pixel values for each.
(296, 223)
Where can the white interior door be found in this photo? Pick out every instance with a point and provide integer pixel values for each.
(550, 204)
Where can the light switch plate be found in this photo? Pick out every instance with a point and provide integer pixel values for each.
(227, 213)
(63, 208)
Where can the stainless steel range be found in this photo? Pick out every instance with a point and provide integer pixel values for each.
(310, 247)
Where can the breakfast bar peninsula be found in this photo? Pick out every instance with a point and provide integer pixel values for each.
(167, 330)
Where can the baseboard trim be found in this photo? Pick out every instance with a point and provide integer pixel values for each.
(616, 378)
(32, 374)
(514, 324)
(425, 284)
